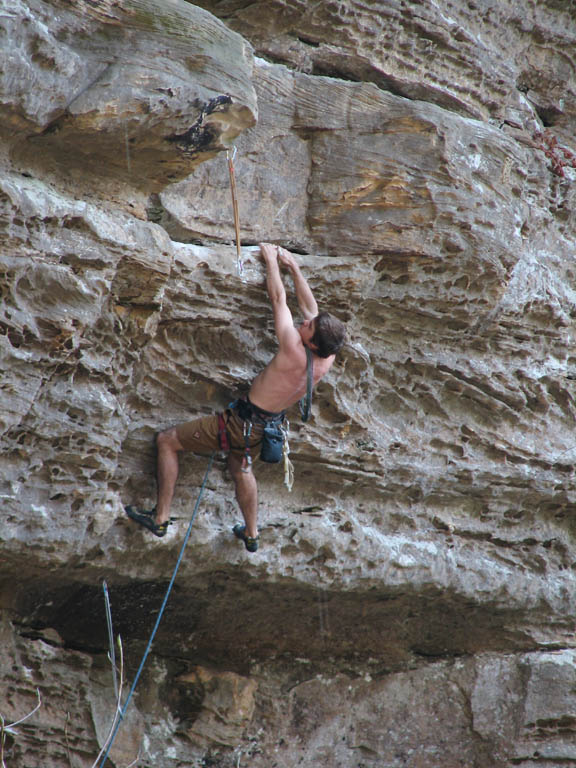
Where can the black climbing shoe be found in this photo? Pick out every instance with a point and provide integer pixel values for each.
(146, 519)
(240, 532)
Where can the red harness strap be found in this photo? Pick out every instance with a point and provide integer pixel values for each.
(223, 438)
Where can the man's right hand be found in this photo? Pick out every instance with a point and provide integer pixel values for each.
(269, 252)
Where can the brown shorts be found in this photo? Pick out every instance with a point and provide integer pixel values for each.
(201, 435)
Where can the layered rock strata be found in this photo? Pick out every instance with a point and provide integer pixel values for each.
(412, 603)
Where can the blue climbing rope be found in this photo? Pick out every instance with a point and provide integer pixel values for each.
(166, 596)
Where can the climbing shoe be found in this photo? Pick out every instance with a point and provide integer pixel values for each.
(146, 518)
(240, 532)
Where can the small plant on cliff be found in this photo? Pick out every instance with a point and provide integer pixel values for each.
(560, 157)
(9, 729)
(117, 679)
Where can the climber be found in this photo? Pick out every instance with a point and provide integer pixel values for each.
(275, 389)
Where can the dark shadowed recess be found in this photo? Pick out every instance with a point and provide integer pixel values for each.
(229, 620)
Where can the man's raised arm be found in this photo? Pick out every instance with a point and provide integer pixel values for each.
(304, 296)
(274, 284)
(283, 322)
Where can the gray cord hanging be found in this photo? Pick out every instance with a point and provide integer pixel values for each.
(306, 402)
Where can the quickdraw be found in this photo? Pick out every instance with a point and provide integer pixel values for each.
(239, 264)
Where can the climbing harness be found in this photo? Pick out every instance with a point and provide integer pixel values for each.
(272, 432)
(160, 613)
(239, 264)
(306, 403)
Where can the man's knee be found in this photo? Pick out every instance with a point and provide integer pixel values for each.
(168, 440)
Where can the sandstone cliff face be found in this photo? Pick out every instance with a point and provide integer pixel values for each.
(413, 600)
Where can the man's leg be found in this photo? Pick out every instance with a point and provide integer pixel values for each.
(168, 446)
(197, 436)
(246, 493)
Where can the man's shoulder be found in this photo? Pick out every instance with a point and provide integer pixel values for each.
(290, 343)
(287, 359)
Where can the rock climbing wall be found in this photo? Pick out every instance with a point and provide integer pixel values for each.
(413, 599)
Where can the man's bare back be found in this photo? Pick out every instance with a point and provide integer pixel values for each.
(283, 382)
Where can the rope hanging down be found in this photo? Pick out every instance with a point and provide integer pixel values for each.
(239, 264)
(160, 613)
(306, 403)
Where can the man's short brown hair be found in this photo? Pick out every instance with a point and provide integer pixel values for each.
(329, 334)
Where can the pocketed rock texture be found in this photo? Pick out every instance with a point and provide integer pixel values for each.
(413, 601)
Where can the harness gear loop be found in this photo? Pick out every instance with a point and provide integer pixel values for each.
(247, 460)
(239, 264)
(306, 403)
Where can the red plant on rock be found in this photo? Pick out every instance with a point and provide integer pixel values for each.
(560, 157)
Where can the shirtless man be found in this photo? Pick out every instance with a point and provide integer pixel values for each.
(275, 389)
